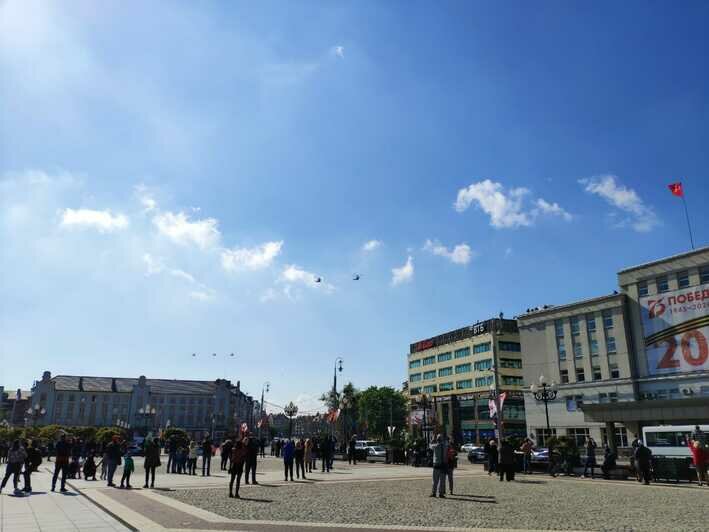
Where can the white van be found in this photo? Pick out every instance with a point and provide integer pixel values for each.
(670, 440)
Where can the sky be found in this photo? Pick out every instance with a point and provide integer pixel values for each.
(175, 177)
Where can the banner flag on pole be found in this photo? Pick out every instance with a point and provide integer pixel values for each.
(676, 189)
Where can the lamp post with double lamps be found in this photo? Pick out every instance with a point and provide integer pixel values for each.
(291, 411)
(266, 388)
(147, 412)
(35, 412)
(544, 393)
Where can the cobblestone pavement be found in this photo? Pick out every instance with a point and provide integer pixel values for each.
(534, 502)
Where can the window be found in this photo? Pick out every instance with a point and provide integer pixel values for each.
(578, 351)
(607, 319)
(559, 327)
(463, 368)
(642, 288)
(561, 348)
(512, 381)
(483, 381)
(481, 365)
(510, 346)
(543, 434)
(513, 363)
(445, 357)
(429, 389)
(610, 344)
(481, 348)
(579, 375)
(461, 353)
(593, 343)
(579, 435)
(575, 325)
(415, 364)
(427, 375)
(461, 385)
(613, 397)
(429, 360)
(597, 374)
(415, 391)
(564, 376)
(590, 322)
(615, 372)
(444, 372)
(621, 436)
(662, 284)
(602, 397)
(445, 387)
(683, 279)
(704, 275)
(573, 402)
(513, 411)
(60, 397)
(415, 377)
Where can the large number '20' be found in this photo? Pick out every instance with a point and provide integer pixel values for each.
(669, 361)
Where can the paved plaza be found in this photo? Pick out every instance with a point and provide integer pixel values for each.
(365, 497)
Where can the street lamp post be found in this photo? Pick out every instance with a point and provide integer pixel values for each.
(290, 410)
(496, 330)
(344, 404)
(266, 387)
(424, 401)
(146, 412)
(545, 393)
(35, 412)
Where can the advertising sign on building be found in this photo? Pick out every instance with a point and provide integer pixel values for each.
(676, 328)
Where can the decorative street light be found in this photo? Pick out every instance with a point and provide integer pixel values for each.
(544, 392)
(34, 413)
(146, 413)
(266, 388)
(290, 410)
(425, 427)
(344, 405)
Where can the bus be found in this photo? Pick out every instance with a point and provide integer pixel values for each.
(670, 440)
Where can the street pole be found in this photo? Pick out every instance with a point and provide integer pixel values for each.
(496, 392)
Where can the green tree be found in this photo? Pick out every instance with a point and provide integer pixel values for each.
(180, 435)
(50, 432)
(377, 407)
(105, 434)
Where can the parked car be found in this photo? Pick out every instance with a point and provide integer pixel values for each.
(376, 451)
(467, 447)
(540, 455)
(135, 450)
(477, 454)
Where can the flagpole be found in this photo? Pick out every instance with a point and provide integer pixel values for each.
(689, 226)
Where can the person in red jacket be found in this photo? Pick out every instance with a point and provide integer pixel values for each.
(699, 457)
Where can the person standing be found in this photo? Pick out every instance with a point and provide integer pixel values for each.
(699, 457)
(61, 462)
(300, 459)
(226, 453)
(526, 448)
(152, 461)
(16, 457)
(172, 454)
(237, 458)
(508, 461)
(32, 462)
(590, 457)
(262, 447)
(308, 455)
(206, 455)
(643, 459)
(351, 451)
(440, 456)
(192, 459)
(451, 464)
(492, 456)
(251, 460)
(288, 456)
(113, 459)
(633, 464)
(609, 462)
(128, 468)
(325, 454)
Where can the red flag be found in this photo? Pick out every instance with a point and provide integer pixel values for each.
(244, 428)
(676, 189)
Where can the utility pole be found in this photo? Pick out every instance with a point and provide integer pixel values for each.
(266, 386)
(495, 391)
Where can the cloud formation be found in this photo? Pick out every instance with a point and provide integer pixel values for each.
(506, 209)
(181, 230)
(338, 51)
(255, 258)
(460, 254)
(403, 274)
(371, 245)
(102, 221)
(640, 217)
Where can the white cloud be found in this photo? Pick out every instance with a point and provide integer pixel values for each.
(103, 221)
(255, 258)
(181, 274)
(180, 229)
(371, 245)
(153, 265)
(202, 295)
(145, 198)
(294, 275)
(338, 51)
(642, 217)
(506, 208)
(553, 209)
(404, 274)
(460, 254)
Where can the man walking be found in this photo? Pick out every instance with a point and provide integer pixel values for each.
(251, 459)
(206, 455)
(172, 455)
(440, 457)
(61, 462)
(226, 453)
(643, 459)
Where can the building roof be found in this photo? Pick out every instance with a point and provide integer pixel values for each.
(77, 383)
(552, 309)
(665, 259)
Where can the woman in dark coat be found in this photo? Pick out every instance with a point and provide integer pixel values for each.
(152, 461)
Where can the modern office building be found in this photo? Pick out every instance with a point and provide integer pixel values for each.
(646, 363)
(451, 377)
(148, 405)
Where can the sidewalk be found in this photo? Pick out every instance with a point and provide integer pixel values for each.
(47, 511)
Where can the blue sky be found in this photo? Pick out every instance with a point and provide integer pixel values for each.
(173, 177)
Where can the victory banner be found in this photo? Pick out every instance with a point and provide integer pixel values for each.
(676, 328)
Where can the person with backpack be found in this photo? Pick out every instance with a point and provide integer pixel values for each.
(452, 463)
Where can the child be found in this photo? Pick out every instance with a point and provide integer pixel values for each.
(103, 466)
(128, 467)
(192, 459)
(90, 467)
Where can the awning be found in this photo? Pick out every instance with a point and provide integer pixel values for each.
(691, 410)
